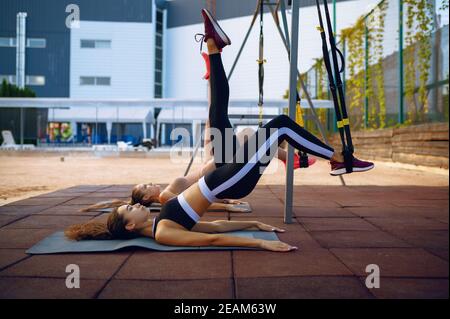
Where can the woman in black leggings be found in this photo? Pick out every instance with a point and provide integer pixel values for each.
(179, 222)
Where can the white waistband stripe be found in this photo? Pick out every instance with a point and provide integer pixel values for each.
(206, 191)
(187, 208)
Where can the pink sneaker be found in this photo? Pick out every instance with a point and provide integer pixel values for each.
(214, 31)
(338, 168)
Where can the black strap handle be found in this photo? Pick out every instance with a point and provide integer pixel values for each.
(342, 61)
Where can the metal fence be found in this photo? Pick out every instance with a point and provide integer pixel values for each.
(396, 66)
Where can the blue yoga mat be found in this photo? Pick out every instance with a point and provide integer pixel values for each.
(58, 243)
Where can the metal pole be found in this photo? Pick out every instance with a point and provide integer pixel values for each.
(20, 63)
(292, 108)
(401, 118)
(366, 74)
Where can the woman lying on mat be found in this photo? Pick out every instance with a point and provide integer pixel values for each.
(147, 194)
(179, 223)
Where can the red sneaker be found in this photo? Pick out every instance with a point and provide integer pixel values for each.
(338, 168)
(214, 31)
(206, 58)
(311, 161)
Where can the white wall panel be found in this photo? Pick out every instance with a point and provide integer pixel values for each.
(129, 62)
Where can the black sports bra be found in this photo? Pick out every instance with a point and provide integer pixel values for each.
(179, 211)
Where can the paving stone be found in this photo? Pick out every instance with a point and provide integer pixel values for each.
(358, 202)
(438, 203)
(167, 289)
(118, 188)
(111, 195)
(294, 234)
(62, 193)
(67, 210)
(47, 288)
(86, 188)
(22, 238)
(324, 224)
(425, 238)
(305, 202)
(7, 219)
(394, 262)
(265, 210)
(91, 200)
(257, 264)
(92, 266)
(39, 201)
(321, 212)
(177, 265)
(322, 287)
(357, 239)
(11, 256)
(411, 223)
(405, 288)
(440, 252)
(50, 222)
(22, 210)
(401, 212)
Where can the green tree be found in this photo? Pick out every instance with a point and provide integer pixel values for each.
(11, 90)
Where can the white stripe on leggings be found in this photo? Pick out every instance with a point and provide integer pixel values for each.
(262, 151)
(187, 208)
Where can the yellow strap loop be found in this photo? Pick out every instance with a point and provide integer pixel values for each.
(299, 115)
(344, 122)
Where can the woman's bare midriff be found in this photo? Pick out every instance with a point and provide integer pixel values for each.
(196, 200)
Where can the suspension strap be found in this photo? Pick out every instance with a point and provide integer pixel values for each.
(336, 87)
(261, 62)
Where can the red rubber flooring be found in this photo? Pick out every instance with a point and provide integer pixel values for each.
(339, 231)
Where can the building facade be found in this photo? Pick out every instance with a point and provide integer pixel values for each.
(144, 49)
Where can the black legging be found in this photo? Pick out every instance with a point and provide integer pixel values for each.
(238, 178)
(218, 114)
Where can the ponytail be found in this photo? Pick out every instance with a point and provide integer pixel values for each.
(114, 228)
(91, 230)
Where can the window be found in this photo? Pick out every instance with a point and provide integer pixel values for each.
(87, 80)
(95, 44)
(30, 43)
(103, 81)
(5, 42)
(159, 32)
(95, 80)
(35, 80)
(36, 43)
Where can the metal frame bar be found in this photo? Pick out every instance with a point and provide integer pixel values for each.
(293, 73)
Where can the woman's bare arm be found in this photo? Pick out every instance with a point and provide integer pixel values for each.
(179, 237)
(223, 226)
